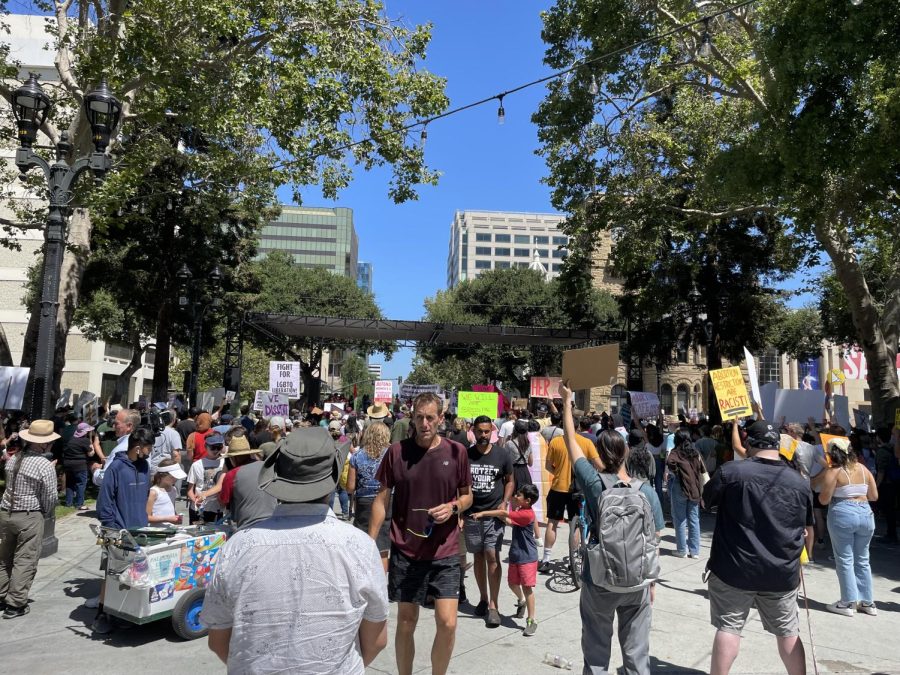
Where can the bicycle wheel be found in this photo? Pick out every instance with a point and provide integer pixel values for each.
(575, 551)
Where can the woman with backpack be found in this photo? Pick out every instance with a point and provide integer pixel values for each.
(686, 472)
(625, 591)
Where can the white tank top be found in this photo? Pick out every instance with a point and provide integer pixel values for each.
(165, 501)
(852, 490)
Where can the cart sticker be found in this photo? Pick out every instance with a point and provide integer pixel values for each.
(198, 560)
(162, 565)
(162, 591)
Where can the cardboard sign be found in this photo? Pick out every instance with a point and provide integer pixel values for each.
(472, 404)
(258, 400)
(275, 404)
(591, 367)
(644, 405)
(798, 405)
(544, 387)
(753, 376)
(284, 378)
(384, 391)
(827, 438)
(731, 393)
(841, 413)
(520, 404)
(89, 411)
(229, 396)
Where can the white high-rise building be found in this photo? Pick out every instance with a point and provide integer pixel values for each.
(485, 240)
(374, 370)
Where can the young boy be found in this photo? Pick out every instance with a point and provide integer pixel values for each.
(523, 557)
(205, 482)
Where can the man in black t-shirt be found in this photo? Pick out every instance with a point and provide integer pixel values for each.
(492, 487)
(764, 507)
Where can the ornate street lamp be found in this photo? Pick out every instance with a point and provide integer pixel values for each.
(199, 296)
(31, 105)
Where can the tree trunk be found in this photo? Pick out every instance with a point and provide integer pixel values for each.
(879, 343)
(163, 352)
(122, 380)
(5, 354)
(312, 377)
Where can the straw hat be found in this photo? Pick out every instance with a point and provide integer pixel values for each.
(239, 446)
(377, 412)
(39, 431)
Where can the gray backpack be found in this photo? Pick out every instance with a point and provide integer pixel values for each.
(625, 557)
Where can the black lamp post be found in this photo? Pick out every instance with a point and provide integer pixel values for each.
(31, 106)
(199, 297)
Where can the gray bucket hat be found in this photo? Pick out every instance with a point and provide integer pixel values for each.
(305, 466)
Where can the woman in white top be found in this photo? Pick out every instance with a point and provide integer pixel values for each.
(161, 501)
(848, 486)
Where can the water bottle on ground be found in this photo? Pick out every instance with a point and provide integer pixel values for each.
(558, 661)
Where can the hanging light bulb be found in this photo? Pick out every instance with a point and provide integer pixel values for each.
(424, 135)
(143, 209)
(501, 113)
(856, 3)
(120, 212)
(706, 41)
(169, 205)
(594, 89)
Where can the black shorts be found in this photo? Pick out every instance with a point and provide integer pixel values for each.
(413, 580)
(562, 503)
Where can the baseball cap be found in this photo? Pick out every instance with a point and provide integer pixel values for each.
(763, 436)
(334, 424)
(215, 439)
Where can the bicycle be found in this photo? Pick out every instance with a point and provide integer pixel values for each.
(578, 536)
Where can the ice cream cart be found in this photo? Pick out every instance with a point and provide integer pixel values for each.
(158, 572)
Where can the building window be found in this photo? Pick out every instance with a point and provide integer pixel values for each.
(541, 240)
(482, 264)
(665, 398)
(522, 253)
(682, 397)
(681, 354)
(557, 267)
(482, 250)
(558, 253)
(501, 238)
(482, 236)
(770, 367)
(543, 253)
(501, 251)
(560, 241)
(522, 239)
(522, 265)
(696, 402)
(501, 265)
(616, 398)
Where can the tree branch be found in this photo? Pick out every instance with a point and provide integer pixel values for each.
(63, 60)
(728, 213)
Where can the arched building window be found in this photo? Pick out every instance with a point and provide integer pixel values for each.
(682, 394)
(696, 400)
(616, 398)
(665, 398)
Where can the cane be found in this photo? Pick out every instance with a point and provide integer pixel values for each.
(812, 645)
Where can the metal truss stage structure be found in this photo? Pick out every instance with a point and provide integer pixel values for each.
(282, 329)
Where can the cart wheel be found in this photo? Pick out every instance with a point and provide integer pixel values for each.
(186, 616)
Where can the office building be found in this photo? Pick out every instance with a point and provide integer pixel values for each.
(374, 370)
(320, 238)
(364, 276)
(485, 240)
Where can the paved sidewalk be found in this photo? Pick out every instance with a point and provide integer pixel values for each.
(55, 638)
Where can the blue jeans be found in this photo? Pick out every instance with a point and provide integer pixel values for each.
(344, 500)
(76, 482)
(851, 525)
(685, 518)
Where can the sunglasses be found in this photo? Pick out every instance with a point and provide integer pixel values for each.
(428, 529)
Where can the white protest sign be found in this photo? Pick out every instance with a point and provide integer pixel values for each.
(384, 391)
(229, 396)
(767, 394)
(275, 404)
(207, 401)
(798, 405)
(258, 400)
(284, 378)
(753, 376)
(644, 405)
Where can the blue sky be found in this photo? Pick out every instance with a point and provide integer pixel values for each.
(482, 48)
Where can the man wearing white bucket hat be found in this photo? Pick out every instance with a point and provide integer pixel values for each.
(30, 494)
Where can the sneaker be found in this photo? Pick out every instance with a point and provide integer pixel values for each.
(481, 609)
(530, 627)
(493, 618)
(679, 554)
(15, 612)
(843, 608)
(544, 567)
(867, 608)
(102, 624)
(520, 609)
(92, 603)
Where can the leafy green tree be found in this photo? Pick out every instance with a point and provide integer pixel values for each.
(275, 92)
(355, 373)
(797, 332)
(509, 297)
(277, 285)
(801, 118)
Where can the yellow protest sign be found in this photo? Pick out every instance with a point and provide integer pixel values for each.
(731, 392)
(836, 376)
(472, 404)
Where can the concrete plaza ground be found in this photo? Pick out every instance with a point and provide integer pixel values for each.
(55, 638)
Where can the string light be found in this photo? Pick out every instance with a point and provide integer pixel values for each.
(424, 135)
(706, 41)
(594, 89)
(501, 113)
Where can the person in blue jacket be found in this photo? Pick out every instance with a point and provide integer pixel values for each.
(126, 484)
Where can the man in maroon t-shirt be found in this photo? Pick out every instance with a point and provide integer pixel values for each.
(430, 479)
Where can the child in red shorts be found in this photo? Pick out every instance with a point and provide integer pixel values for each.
(523, 556)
